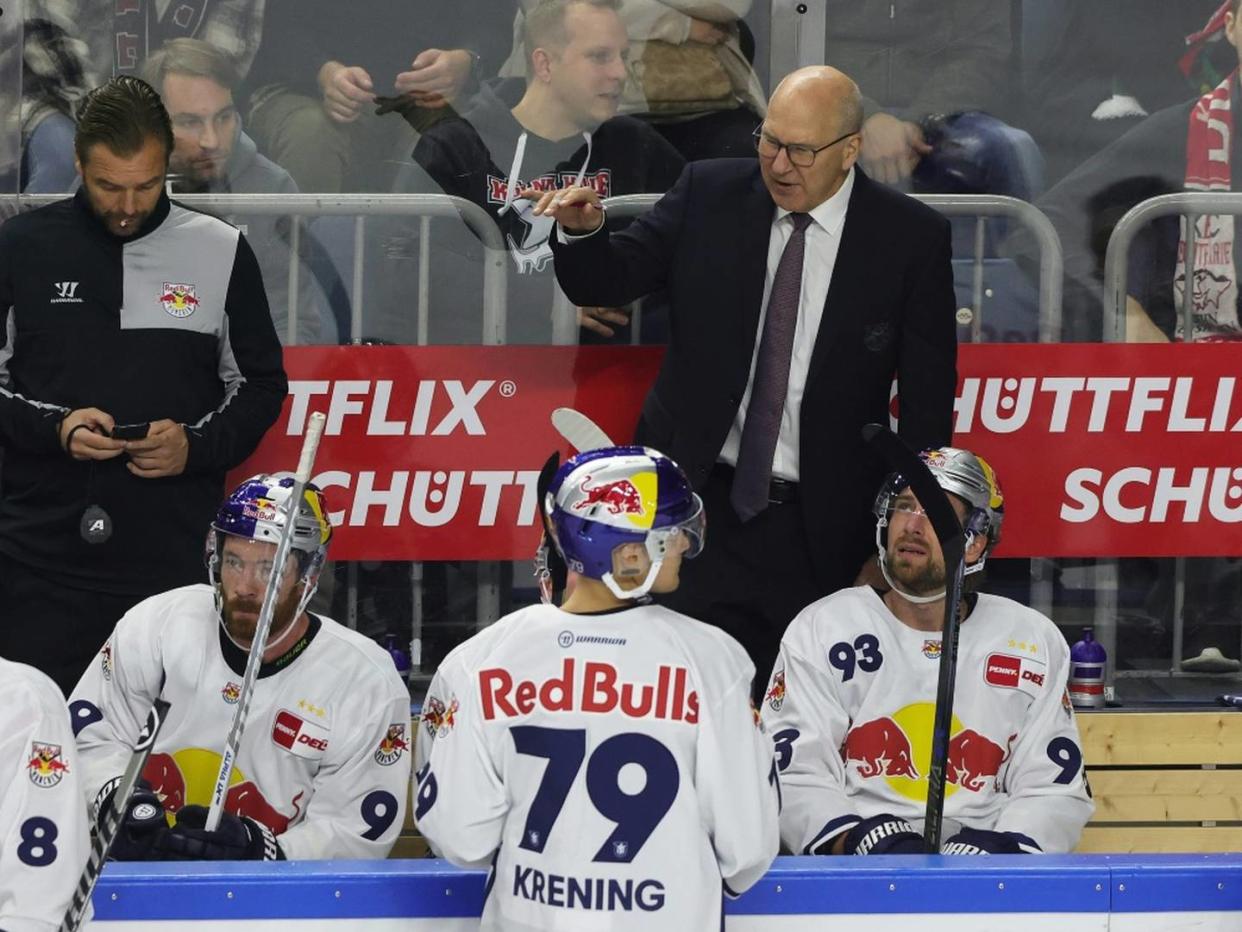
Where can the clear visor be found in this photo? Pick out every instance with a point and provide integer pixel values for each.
(693, 528)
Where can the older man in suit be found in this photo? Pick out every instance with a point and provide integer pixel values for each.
(800, 289)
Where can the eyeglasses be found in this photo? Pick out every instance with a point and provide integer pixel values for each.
(799, 155)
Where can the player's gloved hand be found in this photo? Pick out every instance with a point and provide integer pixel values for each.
(142, 826)
(981, 841)
(883, 834)
(236, 839)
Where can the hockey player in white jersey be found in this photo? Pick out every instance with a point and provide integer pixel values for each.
(44, 834)
(603, 757)
(323, 767)
(851, 699)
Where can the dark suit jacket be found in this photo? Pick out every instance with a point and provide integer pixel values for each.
(889, 313)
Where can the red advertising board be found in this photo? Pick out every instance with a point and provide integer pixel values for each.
(431, 453)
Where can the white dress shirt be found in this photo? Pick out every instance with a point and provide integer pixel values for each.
(823, 240)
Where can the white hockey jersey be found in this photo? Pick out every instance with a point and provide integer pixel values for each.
(44, 833)
(610, 767)
(850, 707)
(324, 757)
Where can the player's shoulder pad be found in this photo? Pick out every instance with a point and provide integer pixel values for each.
(702, 644)
(1033, 623)
(186, 608)
(27, 693)
(830, 616)
(367, 657)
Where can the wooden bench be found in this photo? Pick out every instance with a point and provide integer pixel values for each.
(1163, 781)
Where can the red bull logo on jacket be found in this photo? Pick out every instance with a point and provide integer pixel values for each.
(592, 686)
(179, 299)
(45, 766)
(897, 749)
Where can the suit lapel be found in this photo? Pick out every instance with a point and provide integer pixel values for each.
(849, 274)
(752, 259)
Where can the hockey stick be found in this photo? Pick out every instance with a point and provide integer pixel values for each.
(944, 521)
(109, 820)
(310, 444)
(579, 431)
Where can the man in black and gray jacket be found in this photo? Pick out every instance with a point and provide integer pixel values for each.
(139, 363)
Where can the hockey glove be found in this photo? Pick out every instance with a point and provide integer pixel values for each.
(981, 841)
(142, 825)
(883, 834)
(237, 839)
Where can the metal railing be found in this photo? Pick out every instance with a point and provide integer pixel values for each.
(1193, 205)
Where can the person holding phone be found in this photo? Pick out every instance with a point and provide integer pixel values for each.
(139, 363)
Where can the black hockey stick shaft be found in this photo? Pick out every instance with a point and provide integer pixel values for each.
(944, 521)
(109, 820)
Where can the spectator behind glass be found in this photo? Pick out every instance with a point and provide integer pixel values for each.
(334, 81)
(212, 155)
(74, 45)
(1092, 71)
(1164, 153)
(558, 127)
(934, 76)
(692, 79)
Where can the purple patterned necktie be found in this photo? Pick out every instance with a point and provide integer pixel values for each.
(749, 494)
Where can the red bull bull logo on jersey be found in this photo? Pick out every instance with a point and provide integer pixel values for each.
(230, 693)
(393, 743)
(897, 748)
(46, 767)
(179, 299)
(186, 777)
(974, 760)
(776, 692)
(880, 747)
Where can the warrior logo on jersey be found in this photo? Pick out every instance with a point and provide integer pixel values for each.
(179, 299)
(439, 718)
(931, 650)
(105, 659)
(776, 692)
(46, 768)
(391, 745)
(231, 693)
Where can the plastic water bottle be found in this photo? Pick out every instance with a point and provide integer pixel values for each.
(399, 657)
(1086, 680)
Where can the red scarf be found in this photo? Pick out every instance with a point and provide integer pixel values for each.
(1209, 145)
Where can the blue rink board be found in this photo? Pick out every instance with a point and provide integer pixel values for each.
(794, 885)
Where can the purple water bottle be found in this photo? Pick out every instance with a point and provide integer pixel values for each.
(399, 657)
(1087, 664)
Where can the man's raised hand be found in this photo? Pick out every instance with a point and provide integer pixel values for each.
(577, 209)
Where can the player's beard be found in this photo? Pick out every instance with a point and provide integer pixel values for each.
(920, 580)
(241, 628)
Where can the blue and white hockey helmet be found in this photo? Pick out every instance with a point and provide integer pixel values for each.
(601, 499)
(255, 510)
